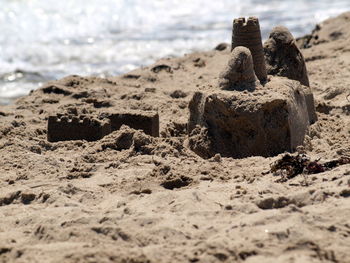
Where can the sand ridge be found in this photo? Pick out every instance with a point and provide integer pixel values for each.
(131, 197)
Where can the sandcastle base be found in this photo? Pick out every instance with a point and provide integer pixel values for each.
(268, 121)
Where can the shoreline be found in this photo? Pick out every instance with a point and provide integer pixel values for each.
(20, 79)
(78, 201)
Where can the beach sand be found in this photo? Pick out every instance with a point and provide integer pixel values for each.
(156, 200)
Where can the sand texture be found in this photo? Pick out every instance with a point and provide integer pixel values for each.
(131, 197)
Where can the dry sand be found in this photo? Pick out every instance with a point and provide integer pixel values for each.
(157, 201)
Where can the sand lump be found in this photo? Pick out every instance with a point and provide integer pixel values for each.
(283, 58)
(239, 73)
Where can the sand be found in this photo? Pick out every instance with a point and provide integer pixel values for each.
(151, 199)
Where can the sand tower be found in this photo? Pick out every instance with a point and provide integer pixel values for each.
(247, 34)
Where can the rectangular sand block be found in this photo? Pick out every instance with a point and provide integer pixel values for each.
(265, 122)
(64, 128)
(148, 122)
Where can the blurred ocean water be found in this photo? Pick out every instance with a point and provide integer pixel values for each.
(42, 40)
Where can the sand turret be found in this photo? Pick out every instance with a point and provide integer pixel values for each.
(239, 73)
(247, 34)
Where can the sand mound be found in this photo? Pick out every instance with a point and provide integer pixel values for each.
(284, 57)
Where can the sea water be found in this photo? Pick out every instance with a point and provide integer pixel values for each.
(42, 40)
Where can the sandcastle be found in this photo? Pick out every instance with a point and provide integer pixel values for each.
(262, 104)
(68, 127)
(249, 113)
